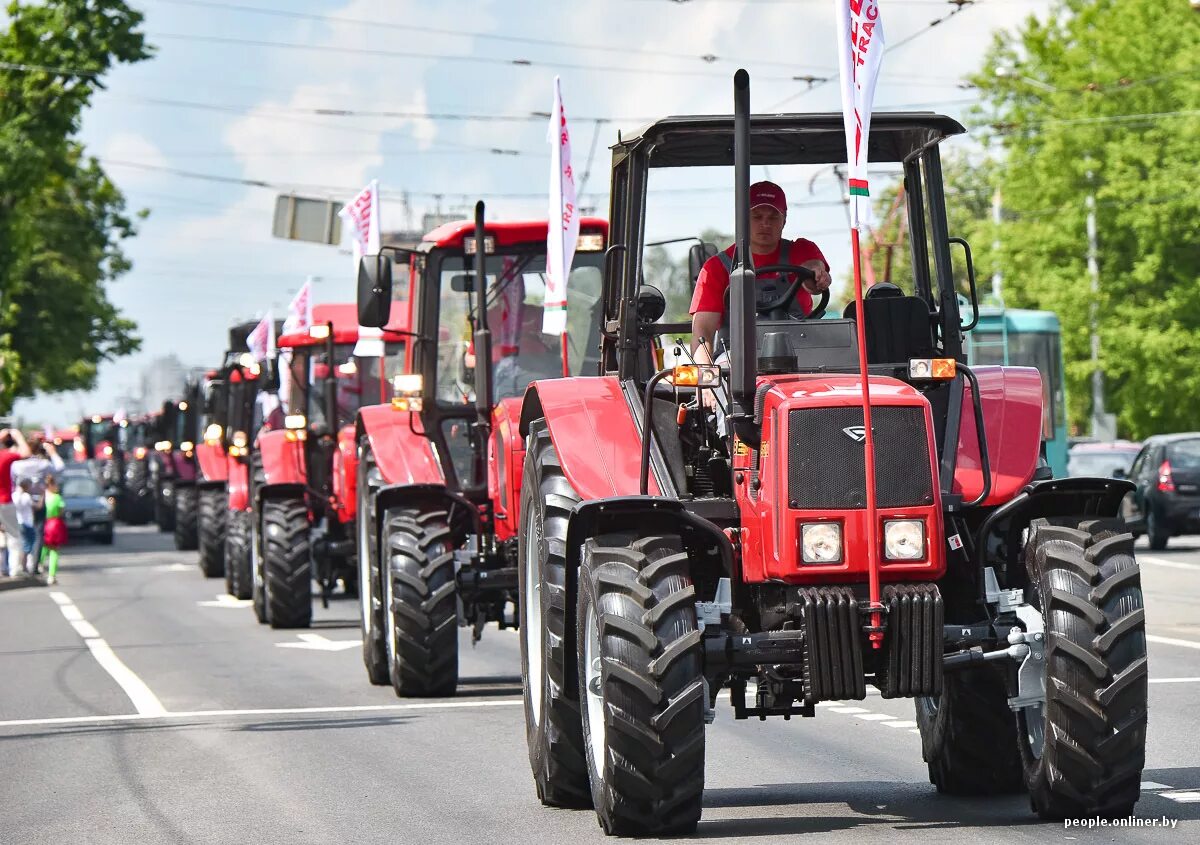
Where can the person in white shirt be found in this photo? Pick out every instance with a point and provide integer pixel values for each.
(23, 501)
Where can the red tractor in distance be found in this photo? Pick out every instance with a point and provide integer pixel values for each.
(669, 550)
(133, 495)
(437, 543)
(303, 472)
(243, 418)
(97, 443)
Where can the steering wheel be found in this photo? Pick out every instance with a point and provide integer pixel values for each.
(777, 308)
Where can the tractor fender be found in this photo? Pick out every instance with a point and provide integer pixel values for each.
(403, 455)
(238, 484)
(592, 427)
(282, 459)
(211, 459)
(345, 475)
(506, 466)
(462, 514)
(1012, 417)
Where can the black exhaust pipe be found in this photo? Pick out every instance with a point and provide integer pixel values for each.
(742, 314)
(483, 336)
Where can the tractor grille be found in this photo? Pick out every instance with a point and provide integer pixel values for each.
(826, 468)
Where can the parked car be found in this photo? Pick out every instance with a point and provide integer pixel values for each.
(1098, 459)
(87, 511)
(1166, 501)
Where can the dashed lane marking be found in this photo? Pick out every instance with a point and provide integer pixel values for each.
(226, 600)
(848, 710)
(1170, 564)
(1151, 785)
(1175, 680)
(901, 724)
(1154, 638)
(874, 717)
(1182, 797)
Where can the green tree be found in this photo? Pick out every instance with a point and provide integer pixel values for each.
(61, 219)
(1102, 100)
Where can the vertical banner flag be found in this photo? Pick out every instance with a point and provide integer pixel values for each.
(860, 53)
(261, 340)
(362, 215)
(563, 233)
(299, 313)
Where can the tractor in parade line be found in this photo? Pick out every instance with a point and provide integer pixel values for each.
(173, 472)
(668, 549)
(96, 444)
(303, 465)
(437, 540)
(133, 494)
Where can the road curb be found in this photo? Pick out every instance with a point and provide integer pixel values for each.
(18, 583)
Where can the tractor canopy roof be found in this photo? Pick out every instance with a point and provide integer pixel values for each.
(707, 140)
(344, 317)
(506, 233)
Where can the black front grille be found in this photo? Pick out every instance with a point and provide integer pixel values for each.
(826, 467)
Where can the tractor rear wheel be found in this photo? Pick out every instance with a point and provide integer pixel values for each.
(553, 731)
(239, 580)
(370, 592)
(1084, 752)
(968, 738)
(420, 603)
(137, 507)
(641, 684)
(287, 564)
(212, 532)
(187, 534)
(164, 506)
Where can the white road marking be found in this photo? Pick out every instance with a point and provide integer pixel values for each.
(281, 711)
(315, 642)
(827, 704)
(1149, 784)
(1182, 797)
(1172, 564)
(848, 710)
(173, 567)
(1175, 680)
(144, 701)
(1154, 638)
(226, 600)
(875, 717)
(901, 724)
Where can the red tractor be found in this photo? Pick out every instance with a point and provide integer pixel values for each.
(162, 464)
(303, 467)
(242, 421)
(668, 551)
(132, 491)
(437, 543)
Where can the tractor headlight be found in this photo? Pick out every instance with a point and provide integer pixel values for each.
(821, 542)
(239, 439)
(294, 422)
(213, 433)
(904, 539)
(407, 392)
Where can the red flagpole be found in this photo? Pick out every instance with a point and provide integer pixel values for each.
(566, 369)
(876, 635)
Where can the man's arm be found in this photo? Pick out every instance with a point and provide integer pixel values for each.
(821, 272)
(704, 332)
(22, 445)
(55, 459)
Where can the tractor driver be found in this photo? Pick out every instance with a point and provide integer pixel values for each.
(768, 214)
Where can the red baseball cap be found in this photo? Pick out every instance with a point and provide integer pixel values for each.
(768, 193)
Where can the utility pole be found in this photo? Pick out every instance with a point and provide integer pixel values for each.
(997, 274)
(1103, 424)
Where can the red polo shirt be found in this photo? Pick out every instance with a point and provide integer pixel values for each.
(714, 278)
(8, 457)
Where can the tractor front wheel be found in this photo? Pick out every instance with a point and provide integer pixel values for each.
(370, 583)
(239, 580)
(641, 684)
(420, 603)
(1084, 750)
(212, 532)
(287, 563)
(187, 533)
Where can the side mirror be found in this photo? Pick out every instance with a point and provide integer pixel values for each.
(651, 304)
(374, 290)
(462, 283)
(1120, 473)
(698, 254)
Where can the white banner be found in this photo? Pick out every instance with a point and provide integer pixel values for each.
(362, 216)
(299, 313)
(860, 53)
(563, 232)
(261, 340)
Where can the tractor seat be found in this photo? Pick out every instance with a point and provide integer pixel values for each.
(898, 328)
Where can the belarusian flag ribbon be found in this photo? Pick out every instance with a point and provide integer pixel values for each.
(858, 188)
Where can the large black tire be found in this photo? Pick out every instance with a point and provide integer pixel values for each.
(164, 506)
(258, 581)
(137, 507)
(239, 580)
(1156, 532)
(553, 731)
(370, 580)
(287, 563)
(420, 603)
(187, 518)
(1087, 583)
(968, 736)
(212, 531)
(641, 684)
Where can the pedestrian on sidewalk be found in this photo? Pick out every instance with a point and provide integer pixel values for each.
(12, 449)
(54, 535)
(41, 466)
(23, 502)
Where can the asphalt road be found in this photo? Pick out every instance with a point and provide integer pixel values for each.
(136, 706)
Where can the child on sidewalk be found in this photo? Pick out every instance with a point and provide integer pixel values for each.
(54, 534)
(23, 502)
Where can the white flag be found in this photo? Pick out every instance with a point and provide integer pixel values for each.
(361, 214)
(860, 53)
(261, 340)
(299, 313)
(563, 232)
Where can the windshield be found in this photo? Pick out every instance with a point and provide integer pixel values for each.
(359, 381)
(80, 488)
(1184, 454)
(1100, 464)
(521, 353)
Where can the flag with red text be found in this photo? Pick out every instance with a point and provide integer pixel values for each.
(860, 53)
(563, 232)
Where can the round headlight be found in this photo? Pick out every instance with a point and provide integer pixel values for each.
(904, 539)
(821, 542)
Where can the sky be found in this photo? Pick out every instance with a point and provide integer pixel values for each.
(321, 96)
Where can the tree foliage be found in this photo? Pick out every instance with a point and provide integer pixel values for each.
(61, 219)
(1103, 99)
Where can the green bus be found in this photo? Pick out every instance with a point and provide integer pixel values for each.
(1028, 339)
